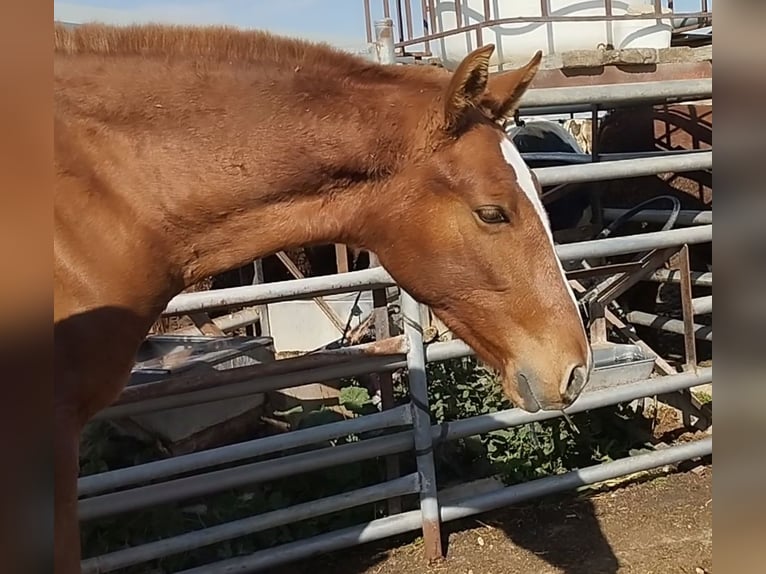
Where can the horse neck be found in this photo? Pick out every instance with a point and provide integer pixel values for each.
(248, 165)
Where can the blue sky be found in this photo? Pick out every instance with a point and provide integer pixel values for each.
(340, 22)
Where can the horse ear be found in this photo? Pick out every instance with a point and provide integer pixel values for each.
(467, 85)
(501, 98)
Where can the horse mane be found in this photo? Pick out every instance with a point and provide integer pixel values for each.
(211, 43)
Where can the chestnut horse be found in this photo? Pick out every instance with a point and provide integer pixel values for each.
(182, 152)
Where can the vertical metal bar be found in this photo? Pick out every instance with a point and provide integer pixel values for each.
(400, 19)
(386, 9)
(545, 13)
(416, 365)
(432, 15)
(596, 203)
(609, 20)
(426, 26)
(408, 13)
(480, 30)
(544, 10)
(459, 14)
(368, 21)
(384, 381)
(594, 147)
(684, 401)
(687, 306)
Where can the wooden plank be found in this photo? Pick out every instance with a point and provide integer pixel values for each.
(263, 310)
(341, 258)
(205, 324)
(321, 303)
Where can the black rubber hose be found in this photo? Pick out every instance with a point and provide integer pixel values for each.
(625, 217)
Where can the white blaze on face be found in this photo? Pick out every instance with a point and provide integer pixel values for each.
(527, 184)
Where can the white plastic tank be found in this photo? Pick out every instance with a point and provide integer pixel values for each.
(515, 43)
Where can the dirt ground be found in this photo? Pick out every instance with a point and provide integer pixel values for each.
(662, 526)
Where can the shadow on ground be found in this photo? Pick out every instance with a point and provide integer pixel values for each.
(564, 532)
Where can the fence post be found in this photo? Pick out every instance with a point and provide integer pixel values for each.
(384, 380)
(263, 310)
(690, 345)
(416, 366)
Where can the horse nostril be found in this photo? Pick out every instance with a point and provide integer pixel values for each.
(573, 385)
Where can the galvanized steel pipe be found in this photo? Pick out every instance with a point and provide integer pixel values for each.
(702, 279)
(421, 421)
(701, 332)
(378, 277)
(624, 168)
(232, 477)
(216, 481)
(190, 541)
(265, 293)
(151, 471)
(589, 400)
(702, 305)
(607, 95)
(634, 243)
(409, 521)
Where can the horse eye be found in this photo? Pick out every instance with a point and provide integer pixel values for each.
(492, 215)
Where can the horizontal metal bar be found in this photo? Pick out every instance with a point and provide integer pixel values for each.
(571, 251)
(129, 476)
(635, 243)
(701, 332)
(578, 478)
(409, 484)
(702, 305)
(265, 293)
(701, 160)
(444, 351)
(674, 276)
(588, 400)
(575, 158)
(227, 478)
(685, 216)
(435, 352)
(198, 380)
(529, 111)
(408, 521)
(606, 95)
(255, 472)
(360, 366)
(376, 277)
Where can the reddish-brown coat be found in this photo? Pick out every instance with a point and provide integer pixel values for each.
(181, 153)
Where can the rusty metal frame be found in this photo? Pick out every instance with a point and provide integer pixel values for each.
(408, 38)
(602, 311)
